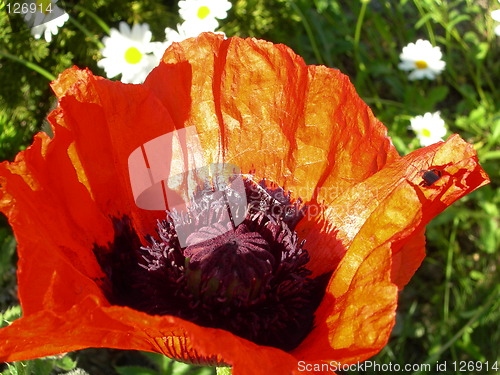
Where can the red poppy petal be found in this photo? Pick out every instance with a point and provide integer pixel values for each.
(108, 120)
(408, 259)
(90, 325)
(55, 223)
(356, 316)
(393, 207)
(259, 106)
(387, 211)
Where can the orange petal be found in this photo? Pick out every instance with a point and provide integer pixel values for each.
(357, 314)
(259, 106)
(109, 120)
(393, 207)
(88, 324)
(55, 223)
(408, 259)
(376, 220)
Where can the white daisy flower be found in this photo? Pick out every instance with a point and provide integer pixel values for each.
(496, 16)
(129, 52)
(204, 12)
(429, 128)
(423, 59)
(44, 17)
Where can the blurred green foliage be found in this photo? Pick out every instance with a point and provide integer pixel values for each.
(42, 366)
(450, 311)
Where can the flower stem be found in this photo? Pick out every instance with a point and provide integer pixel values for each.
(87, 33)
(309, 32)
(449, 270)
(388, 102)
(428, 25)
(223, 370)
(29, 65)
(357, 34)
(95, 17)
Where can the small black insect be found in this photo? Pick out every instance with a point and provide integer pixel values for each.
(430, 176)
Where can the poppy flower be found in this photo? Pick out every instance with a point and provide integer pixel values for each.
(316, 281)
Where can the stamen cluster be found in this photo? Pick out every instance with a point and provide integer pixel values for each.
(247, 275)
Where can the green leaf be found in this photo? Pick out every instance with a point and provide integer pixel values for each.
(423, 20)
(180, 368)
(10, 370)
(455, 21)
(7, 249)
(10, 315)
(436, 94)
(22, 368)
(161, 361)
(482, 50)
(476, 275)
(65, 363)
(43, 366)
(169, 366)
(321, 5)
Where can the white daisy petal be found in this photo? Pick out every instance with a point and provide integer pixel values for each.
(47, 35)
(137, 32)
(124, 28)
(111, 69)
(406, 65)
(158, 49)
(422, 59)
(194, 28)
(496, 15)
(172, 35)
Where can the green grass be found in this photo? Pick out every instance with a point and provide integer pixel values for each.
(450, 311)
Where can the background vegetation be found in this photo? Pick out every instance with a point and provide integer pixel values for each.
(450, 311)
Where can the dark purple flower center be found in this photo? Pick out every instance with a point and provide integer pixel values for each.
(227, 263)
(241, 267)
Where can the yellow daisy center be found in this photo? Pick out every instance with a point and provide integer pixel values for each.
(421, 64)
(46, 6)
(133, 55)
(426, 132)
(203, 12)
